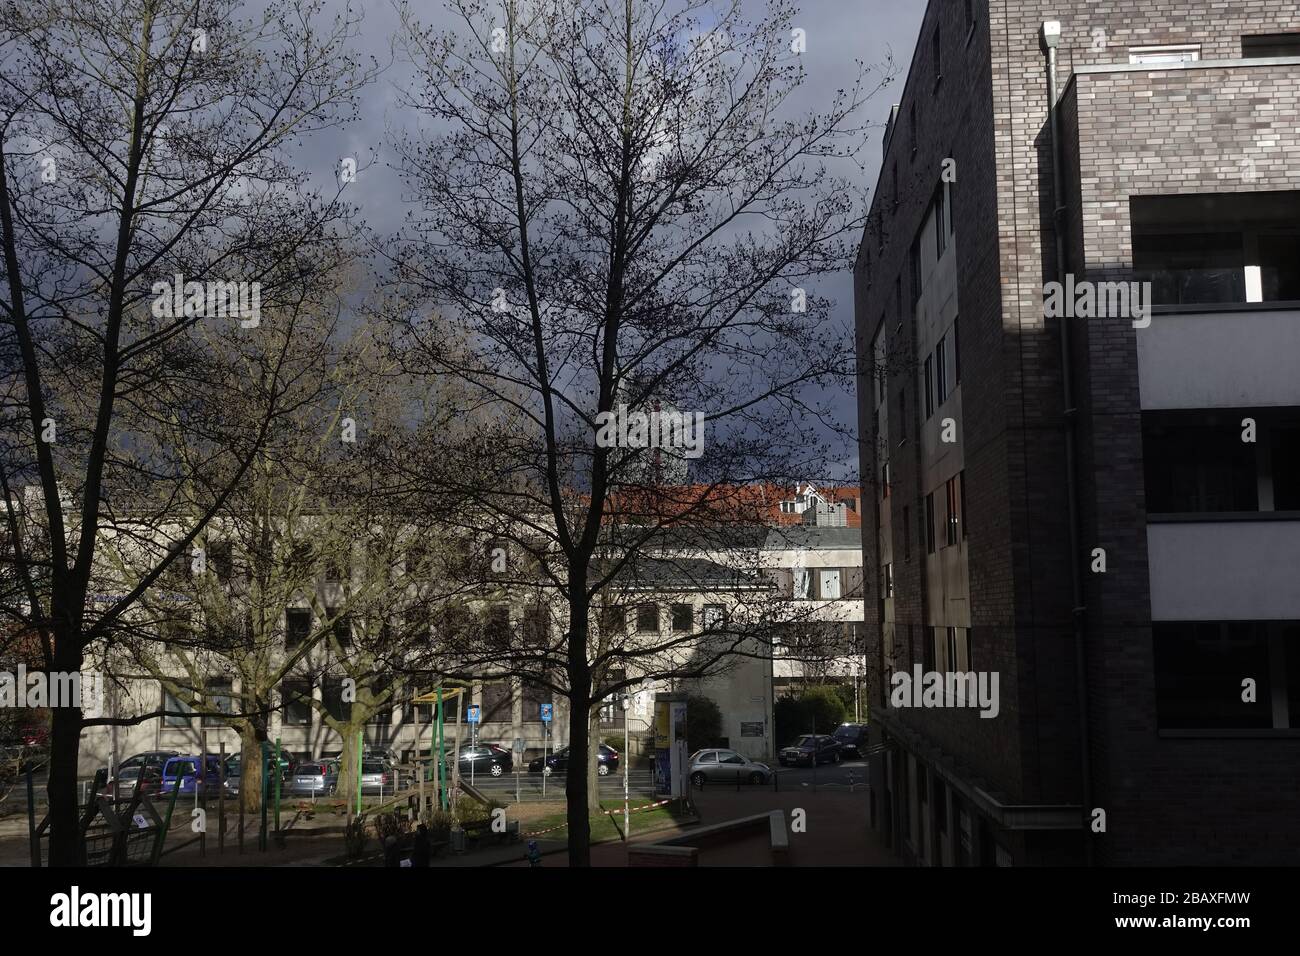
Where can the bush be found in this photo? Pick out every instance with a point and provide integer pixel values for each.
(703, 724)
(820, 708)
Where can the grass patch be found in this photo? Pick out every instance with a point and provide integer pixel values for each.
(603, 825)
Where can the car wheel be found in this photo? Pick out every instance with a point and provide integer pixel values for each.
(756, 777)
(697, 778)
(602, 770)
(497, 770)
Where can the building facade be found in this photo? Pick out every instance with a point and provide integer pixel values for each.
(1106, 519)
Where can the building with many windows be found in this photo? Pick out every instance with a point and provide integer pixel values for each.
(1078, 312)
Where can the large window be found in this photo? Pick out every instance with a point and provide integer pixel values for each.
(647, 618)
(171, 703)
(1270, 45)
(929, 524)
(952, 491)
(534, 695)
(683, 618)
(828, 584)
(296, 697)
(297, 628)
(219, 698)
(498, 702)
(1200, 667)
(332, 698)
(1198, 466)
(1218, 248)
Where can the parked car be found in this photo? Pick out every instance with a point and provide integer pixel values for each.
(810, 749)
(185, 770)
(128, 771)
(490, 759)
(852, 738)
(606, 761)
(727, 766)
(314, 778)
(148, 778)
(378, 776)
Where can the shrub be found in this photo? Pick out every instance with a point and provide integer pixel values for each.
(703, 724)
(820, 708)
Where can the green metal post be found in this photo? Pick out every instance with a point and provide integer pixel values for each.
(261, 836)
(359, 744)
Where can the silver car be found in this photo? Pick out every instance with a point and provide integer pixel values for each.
(314, 778)
(727, 766)
(378, 777)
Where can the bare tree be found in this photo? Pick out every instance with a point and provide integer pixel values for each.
(142, 150)
(626, 217)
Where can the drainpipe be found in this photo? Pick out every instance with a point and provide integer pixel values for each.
(1050, 38)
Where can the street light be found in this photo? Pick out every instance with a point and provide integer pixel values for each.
(627, 760)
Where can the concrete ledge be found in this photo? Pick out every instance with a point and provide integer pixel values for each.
(658, 854)
(780, 838)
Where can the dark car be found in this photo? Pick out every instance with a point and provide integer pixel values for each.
(185, 770)
(558, 762)
(852, 738)
(810, 749)
(482, 759)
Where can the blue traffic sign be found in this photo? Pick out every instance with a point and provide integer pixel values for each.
(547, 712)
(472, 714)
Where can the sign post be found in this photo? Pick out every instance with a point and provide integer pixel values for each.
(472, 713)
(547, 712)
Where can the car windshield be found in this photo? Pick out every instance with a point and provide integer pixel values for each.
(372, 768)
(805, 741)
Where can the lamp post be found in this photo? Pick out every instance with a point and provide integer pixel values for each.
(627, 760)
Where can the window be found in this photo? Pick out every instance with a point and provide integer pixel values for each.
(710, 757)
(498, 702)
(940, 221)
(341, 626)
(332, 698)
(1198, 466)
(1218, 247)
(713, 616)
(611, 707)
(647, 618)
(730, 757)
(954, 514)
(220, 560)
(961, 485)
(1270, 45)
(683, 618)
(1199, 671)
(884, 481)
(536, 625)
(295, 696)
(382, 714)
(496, 626)
(907, 532)
(1157, 55)
(889, 581)
(172, 704)
(828, 584)
(534, 695)
(936, 46)
(956, 355)
(613, 619)
(1286, 470)
(941, 370)
(297, 628)
(218, 697)
(801, 583)
(929, 386)
(929, 523)
(927, 651)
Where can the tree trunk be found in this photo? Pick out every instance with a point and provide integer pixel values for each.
(66, 848)
(251, 736)
(348, 762)
(575, 785)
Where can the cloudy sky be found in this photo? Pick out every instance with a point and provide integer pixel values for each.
(839, 33)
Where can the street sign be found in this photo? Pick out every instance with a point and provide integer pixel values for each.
(547, 711)
(472, 714)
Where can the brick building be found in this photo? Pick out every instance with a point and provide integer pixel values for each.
(1120, 545)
